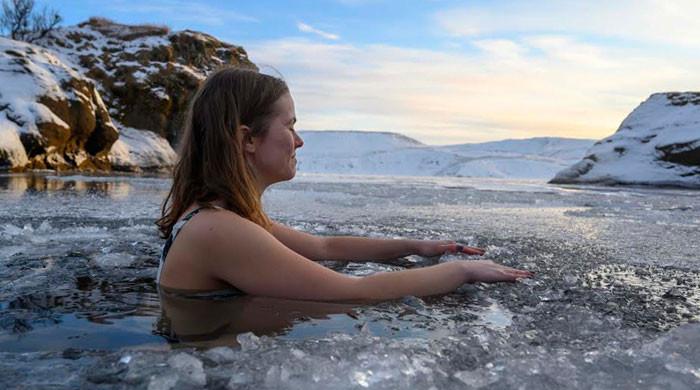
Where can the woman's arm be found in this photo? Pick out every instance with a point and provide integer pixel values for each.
(346, 248)
(245, 255)
(437, 279)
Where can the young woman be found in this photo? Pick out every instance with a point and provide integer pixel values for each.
(238, 139)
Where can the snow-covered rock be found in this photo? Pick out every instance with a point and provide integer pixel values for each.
(138, 150)
(145, 73)
(381, 153)
(657, 144)
(65, 99)
(50, 115)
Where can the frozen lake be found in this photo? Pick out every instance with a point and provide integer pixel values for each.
(615, 301)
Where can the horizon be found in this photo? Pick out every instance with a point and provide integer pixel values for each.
(592, 140)
(448, 72)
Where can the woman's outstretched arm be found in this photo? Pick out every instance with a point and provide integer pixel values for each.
(245, 255)
(346, 248)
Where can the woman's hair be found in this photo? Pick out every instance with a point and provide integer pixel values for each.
(212, 165)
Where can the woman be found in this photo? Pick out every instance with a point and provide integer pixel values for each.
(239, 138)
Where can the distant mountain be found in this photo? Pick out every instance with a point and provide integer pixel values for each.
(382, 153)
(657, 144)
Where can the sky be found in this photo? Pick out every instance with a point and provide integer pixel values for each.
(444, 71)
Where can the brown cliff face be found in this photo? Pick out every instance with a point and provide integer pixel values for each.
(146, 74)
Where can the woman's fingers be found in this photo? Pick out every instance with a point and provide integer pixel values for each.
(459, 248)
(513, 274)
(518, 274)
(472, 251)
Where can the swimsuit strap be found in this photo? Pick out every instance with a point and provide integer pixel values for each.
(173, 234)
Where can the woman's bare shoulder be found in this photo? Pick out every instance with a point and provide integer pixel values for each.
(220, 227)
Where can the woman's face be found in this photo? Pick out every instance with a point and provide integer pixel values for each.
(274, 154)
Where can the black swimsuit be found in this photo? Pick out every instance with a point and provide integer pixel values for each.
(166, 248)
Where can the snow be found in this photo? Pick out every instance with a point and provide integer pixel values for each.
(141, 148)
(160, 93)
(27, 73)
(383, 153)
(10, 143)
(632, 155)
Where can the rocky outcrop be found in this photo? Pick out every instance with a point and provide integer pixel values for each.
(146, 74)
(657, 144)
(50, 115)
(65, 99)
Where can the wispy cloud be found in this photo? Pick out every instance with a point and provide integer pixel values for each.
(546, 85)
(657, 21)
(323, 34)
(181, 11)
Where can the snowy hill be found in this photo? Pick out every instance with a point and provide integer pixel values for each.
(380, 153)
(657, 144)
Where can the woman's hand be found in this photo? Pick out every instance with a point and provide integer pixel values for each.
(431, 248)
(490, 272)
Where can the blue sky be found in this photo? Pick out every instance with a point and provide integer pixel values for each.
(446, 71)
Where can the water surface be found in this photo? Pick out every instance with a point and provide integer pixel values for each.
(615, 300)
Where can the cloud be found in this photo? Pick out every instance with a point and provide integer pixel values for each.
(168, 11)
(501, 48)
(309, 29)
(656, 21)
(544, 85)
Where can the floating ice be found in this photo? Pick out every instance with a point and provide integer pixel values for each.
(189, 368)
(110, 260)
(165, 381)
(248, 341)
(618, 290)
(221, 355)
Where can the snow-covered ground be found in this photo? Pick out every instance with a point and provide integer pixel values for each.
(380, 153)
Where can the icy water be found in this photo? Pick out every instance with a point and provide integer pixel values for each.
(615, 302)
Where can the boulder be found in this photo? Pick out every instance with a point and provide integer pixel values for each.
(54, 112)
(657, 144)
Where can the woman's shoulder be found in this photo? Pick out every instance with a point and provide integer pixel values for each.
(219, 228)
(209, 218)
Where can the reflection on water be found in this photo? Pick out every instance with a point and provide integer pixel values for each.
(217, 322)
(16, 185)
(93, 315)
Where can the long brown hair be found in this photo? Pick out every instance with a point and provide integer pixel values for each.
(211, 164)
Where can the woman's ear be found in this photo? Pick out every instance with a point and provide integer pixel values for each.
(246, 138)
